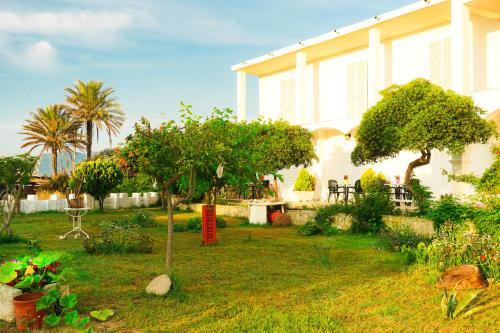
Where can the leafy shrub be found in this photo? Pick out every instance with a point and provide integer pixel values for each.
(322, 222)
(422, 196)
(143, 219)
(311, 227)
(448, 209)
(405, 236)
(305, 181)
(57, 183)
(139, 183)
(194, 224)
(179, 227)
(10, 239)
(61, 309)
(368, 212)
(119, 238)
(416, 254)
(372, 181)
(459, 244)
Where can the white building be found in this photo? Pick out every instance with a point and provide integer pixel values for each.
(327, 82)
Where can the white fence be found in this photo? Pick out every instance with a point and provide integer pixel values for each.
(114, 201)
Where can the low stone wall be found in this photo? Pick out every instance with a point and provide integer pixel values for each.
(300, 216)
(419, 225)
(225, 210)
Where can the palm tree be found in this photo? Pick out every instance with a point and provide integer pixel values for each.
(53, 129)
(93, 106)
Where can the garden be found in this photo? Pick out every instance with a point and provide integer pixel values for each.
(148, 270)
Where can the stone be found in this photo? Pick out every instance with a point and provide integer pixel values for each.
(462, 277)
(159, 286)
(7, 294)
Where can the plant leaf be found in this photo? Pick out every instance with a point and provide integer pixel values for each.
(69, 301)
(83, 322)
(71, 318)
(102, 315)
(46, 301)
(452, 301)
(444, 306)
(472, 311)
(8, 271)
(464, 303)
(52, 320)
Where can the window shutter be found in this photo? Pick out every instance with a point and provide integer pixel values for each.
(447, 63)
(435, 62)
(362, 87)
(351, 89)
(287, 99)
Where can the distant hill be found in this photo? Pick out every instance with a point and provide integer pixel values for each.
(64, 163)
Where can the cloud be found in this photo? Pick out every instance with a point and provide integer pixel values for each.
(80, 26)
(39, 56)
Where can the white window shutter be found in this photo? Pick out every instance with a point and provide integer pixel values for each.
(351, 90)
(362, 87)
(435, 62)
(447, 72)
(287, 99)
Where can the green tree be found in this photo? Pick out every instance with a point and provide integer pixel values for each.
(280, 146)
(15, 172)
(94, 107)
(99, 178)
(167, 153)
(52, 129)
(419, 117)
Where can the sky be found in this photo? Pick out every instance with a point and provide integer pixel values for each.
(154, 53)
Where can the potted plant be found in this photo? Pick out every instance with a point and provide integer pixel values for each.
(32, 275)
(75, 186)
(304, 186)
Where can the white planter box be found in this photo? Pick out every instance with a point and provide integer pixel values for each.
(304, 195)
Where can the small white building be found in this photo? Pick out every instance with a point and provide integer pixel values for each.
(326, 83)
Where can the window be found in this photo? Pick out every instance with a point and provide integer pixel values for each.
(288, 99)
(440, 63)
(357, 88)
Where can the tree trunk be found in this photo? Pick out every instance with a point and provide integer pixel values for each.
(54, 162)
(89, 133)
(170, 232)
(101, 203)
(424, 159)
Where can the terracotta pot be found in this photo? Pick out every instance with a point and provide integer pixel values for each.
(272, 216)
(76, 203)
(26, 314)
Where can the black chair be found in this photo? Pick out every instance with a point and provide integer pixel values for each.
(333, 188)
(357, 187)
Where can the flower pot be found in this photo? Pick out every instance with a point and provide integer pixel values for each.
(76, 203)
(26, 314)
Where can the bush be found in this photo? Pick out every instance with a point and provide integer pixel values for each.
(305, 181)
(322, 222)
(368, 212)
(459, 244)
(119, 238)
(139, 183)
(57, 183)
(194, 224)
(143, 219)
(311, 227)
(422, 196)
(372, 181)
(448, 209)
(487, 221)
(405, 237)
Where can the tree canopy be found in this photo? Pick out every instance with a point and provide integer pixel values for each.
(99, 178)
(419, 117)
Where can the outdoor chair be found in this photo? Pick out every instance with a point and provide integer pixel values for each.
(333, 188)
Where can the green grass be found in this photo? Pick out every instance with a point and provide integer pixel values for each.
(255, 280)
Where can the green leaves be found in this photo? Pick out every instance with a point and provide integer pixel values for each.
(8, 271)
(71, 318)
(47, 300)
(453, 308)
(102, 315)
(52, 320)
(419, 116)
(68, 301)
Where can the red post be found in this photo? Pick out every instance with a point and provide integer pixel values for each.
(208, 225)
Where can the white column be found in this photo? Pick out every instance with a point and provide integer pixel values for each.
(300, 87)
(241, 99)
(374, 66)
(460, 20)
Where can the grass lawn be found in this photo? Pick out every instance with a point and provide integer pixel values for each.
(258, 279)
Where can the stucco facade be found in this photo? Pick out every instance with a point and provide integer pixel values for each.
(326, 83)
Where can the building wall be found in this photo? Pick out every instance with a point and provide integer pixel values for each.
(424, 54)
